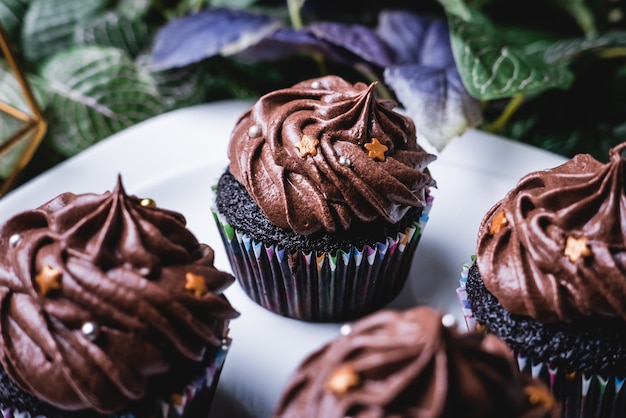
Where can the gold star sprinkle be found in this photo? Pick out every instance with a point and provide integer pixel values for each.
(376, 150)
(48, 279)
(538, 395)
(195, 283)
(576, 248)
(498, 222)
(343, 379)
(307, 145)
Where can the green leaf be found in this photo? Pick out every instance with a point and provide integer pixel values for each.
(11, 14)
(113, 29)
(234, 4)
(11, 93)
(178, 87)
(49, 25)
(457, 8)
(586, 118)
(491, 69)
(96, 92)
(133, 9)
(568, 49)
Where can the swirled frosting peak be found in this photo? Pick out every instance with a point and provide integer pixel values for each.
(99, 293)
(407, 364)
(554, 248)
(326, 153)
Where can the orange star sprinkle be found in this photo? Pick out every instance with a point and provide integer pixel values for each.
(498, 222)
(343, 379)
(48, 279)
(376, 150)
(576, 248)
(195, 283)
(307, 145)
(538, 395)
(177, 399)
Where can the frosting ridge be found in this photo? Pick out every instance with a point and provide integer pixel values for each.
(560, 251)
(324, 153)
(93, 299)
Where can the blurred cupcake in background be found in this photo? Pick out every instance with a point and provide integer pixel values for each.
(409, 364)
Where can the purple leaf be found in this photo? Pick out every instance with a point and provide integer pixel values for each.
(436, 100)
(416, 39)
(192, 38)
(286, 42)
(359, 40)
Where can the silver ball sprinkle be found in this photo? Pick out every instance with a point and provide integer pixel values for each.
(225, 344)
(254, 131)
(316, 85)
(448, 320)
(345, 161)
(345, 329)
(89, 330)
(14, 239)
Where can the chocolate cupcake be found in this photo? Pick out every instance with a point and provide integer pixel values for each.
(109, 307)
(549, 278)
(408, 364)
(324, 201)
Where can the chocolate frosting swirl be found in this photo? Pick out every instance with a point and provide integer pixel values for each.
(528, 264)
(121, 266)
(407, 364)
(336, 182)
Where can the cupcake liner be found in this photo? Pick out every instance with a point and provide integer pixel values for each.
(193, 401)
(196, 398)
(582, 395)
(461, 293)
(320, 286)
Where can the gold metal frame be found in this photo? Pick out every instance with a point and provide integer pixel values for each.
(35, 125)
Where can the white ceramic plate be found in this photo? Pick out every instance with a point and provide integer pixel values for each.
(174, 158)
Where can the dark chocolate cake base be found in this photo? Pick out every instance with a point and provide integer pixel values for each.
(241, 211)
(589, 345)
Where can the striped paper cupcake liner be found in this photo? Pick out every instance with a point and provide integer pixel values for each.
(322, 287)
(581, 395)
(196, 398)
(461, 293)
